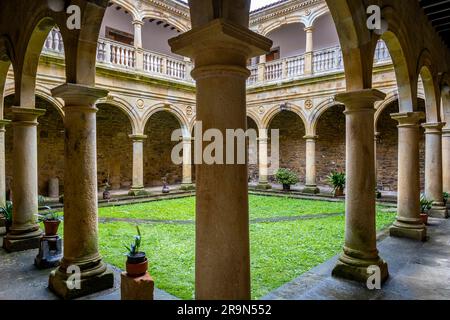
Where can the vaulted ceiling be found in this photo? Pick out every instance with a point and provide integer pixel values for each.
(438, 12)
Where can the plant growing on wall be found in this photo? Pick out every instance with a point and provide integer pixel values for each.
(337, 181)
(286, 177)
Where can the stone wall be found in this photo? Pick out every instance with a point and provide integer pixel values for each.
(292, 143)
(158, 148)
(330, 145)
(114, 147)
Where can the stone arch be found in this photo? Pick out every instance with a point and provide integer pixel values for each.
(44, 93)
(5, 64)
(25, 76)
(317, 113)
(356, 43)
(315, 15)
(407, 91)
(273, 111)
(390, 98)
(252, 115)
(152, 13)
(172, 109)
(124, 106)
(432, 95)
(294, 18)
(129, 7)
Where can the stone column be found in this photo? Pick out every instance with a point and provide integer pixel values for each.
(408, 223)
(220, 51)
(360, 249)
(446, 161)
(309, 50)
(263, 142)
(262, 68)
(3, 124)
(138, 44)
(137, 188)
(311, 186)
(375, 145)
(24, 233)
(81, 254)
(433, 169)
(186, 184)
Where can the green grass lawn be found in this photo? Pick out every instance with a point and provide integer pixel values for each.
(280, 251)
(184, 208)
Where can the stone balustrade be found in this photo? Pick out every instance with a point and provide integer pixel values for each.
(123, 56)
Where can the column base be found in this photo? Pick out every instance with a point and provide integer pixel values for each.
(187, 187)
(263, 186)
(415, 232)
(357, 269)
(22, 242)
(311, 190)
(438, 211)
(65, 285)
(138, 192)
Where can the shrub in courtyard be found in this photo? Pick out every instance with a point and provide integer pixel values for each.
(287, 178)
(337, 181)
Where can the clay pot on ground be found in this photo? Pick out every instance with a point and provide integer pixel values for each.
(51, 227)
(136, 264)
(339, 192)
(286, 187)
(106, 195)
(424, 218)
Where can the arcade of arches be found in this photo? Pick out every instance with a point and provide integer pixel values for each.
(88, 114)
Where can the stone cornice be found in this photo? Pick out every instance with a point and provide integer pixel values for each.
(171, 6)
(281, 10)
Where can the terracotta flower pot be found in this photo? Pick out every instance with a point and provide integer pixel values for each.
(51, 227)
(424, 218)
(137, 269)
(339, 192)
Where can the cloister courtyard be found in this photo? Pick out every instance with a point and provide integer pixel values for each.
(224, 150)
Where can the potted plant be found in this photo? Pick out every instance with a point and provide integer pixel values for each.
(165, 188)
(137, 263)
(287, 178)
(7, 212)
(337, 181)
(425, 206)
(107, 187)
(445, 196)
(51, 222)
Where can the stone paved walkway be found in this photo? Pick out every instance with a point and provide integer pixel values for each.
(418, 271)
(20, 280)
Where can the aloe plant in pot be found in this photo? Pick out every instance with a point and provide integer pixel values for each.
(137, 263)
(287, 178)
(337, 181)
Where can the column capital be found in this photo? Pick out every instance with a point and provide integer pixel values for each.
(408, 119)
(311, 137)
(309, 29)
(26, 115)
(433, 127)
(187, 139)
(211, 43)
(138, 137)
(359, 100)
(138, 22)
(78, 95)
